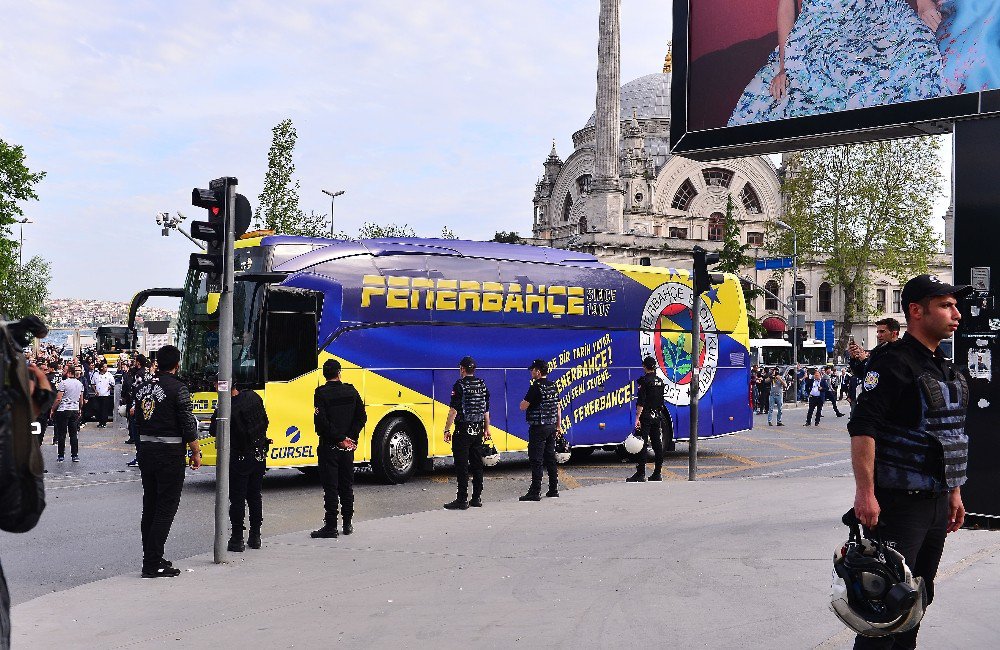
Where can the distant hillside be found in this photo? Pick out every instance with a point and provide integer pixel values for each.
(70, 312)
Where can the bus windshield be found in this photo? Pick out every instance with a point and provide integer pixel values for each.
(114, 339)
(776, 356)
(812, 355)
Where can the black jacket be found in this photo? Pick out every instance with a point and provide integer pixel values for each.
(247, 426)
(163, 413)
(340, 413)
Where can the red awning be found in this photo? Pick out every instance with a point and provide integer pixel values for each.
(773, 324)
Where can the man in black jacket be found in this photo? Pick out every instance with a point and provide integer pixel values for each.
(248, 444)
(469, 412)
(340, 416)
(165, 424)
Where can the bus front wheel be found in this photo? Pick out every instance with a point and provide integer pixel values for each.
(394, 450)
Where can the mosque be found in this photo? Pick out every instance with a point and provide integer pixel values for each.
(622, 197)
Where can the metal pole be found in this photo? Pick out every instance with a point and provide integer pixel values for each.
(795, 312)
(333, 199)
(193, 240)
(225, 377)
(695, 372)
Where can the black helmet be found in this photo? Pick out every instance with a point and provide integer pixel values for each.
(490, 455)
(562, 450)
(873, 591)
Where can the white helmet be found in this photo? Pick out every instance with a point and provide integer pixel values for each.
(562, 450)
(873, 591)
(633, 444)
(122, 411)
(490, 455)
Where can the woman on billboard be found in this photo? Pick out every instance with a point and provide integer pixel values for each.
(970, 46)
(836, 55)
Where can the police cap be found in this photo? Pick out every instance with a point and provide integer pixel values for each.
(468, 364)
(924, 286)
(539, 365)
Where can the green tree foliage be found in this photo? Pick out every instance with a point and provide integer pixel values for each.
(504, 237)
(733, 259)
(370, 230)
(861, 209)
(448, 233)
(278, 203)
(21, 290)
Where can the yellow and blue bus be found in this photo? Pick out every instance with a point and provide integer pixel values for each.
(399, 314)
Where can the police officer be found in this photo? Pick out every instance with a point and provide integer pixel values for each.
(908, 442)
(470, 415)
(649, 416)
(541, 409)
(165, 424)
(340, 416)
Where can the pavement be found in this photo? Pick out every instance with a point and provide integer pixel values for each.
(726, 563)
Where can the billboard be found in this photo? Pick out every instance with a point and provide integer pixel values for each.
(756, 76)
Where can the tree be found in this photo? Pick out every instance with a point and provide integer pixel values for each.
(278, 203)
(21, 291)
(369, 230)
(448, 233)
(863, 209)
(733, 259)
(505, 237)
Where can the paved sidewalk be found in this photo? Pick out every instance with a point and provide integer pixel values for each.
(711, 564)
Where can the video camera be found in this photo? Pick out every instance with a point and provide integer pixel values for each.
(21, 331)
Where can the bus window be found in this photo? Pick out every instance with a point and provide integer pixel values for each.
(291, 333)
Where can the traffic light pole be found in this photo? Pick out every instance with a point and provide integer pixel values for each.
(695, 378)
(222, 441)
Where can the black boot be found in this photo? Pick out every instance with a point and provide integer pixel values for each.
(457, 504)
(655, 476)
(553, 492)
(253, 539)
(348, 527)
(236, 542)
(534, 492)
(476, 501)
(328, 531)
(639, 476)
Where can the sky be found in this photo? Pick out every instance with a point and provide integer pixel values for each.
(432, 113)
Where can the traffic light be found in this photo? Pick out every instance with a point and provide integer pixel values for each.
(703, 280)
(212, 232)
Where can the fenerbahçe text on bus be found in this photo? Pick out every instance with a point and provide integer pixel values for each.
(400, 313)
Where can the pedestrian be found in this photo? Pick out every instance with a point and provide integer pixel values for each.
(909, 448)
(469, 413)
(816, 389)
(339, 418)
(104, 394)
(649, 417)
(165, 423)
(43, 414)
(66, 412)
(248, 444)
(831, 390)
(776, 396)
(138, 375)
(801, 377)
(541, 409)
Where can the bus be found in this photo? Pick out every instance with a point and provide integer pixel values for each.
(112, 341)
(399, 314)
(778, 352)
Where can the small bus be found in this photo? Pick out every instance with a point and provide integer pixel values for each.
(400, 313)
(112, 341)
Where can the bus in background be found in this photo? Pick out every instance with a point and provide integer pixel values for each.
(770, 352)
(813, 353)
(112, 341)
(400, 313)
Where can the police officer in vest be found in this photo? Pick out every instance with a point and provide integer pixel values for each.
(908, 442)
(544, 415)
(340, 417)
(165, 423)
(470, 415)
(649, 417)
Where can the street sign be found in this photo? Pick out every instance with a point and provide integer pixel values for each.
(773, 263)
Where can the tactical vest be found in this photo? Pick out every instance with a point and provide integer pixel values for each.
(652, 403)
(547, 411)
(933, 455)
(472, 415)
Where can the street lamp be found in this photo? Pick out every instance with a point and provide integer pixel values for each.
(333, 197)
(20, 251)
(795, 303)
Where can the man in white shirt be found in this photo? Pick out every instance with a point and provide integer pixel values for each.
(66, 412)
(104, 386)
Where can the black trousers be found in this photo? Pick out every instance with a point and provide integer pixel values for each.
(916, 526)
(831, 396)
(542, 454)
(336, 472)
(815, 403)
(162, 471)
(651, 430)
(246, 475)
(103, 406)
(467, 448)
(68, 421)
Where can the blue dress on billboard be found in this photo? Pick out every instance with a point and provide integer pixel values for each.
(846, 54)
(969, 38)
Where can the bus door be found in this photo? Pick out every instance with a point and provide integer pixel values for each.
(289, 372)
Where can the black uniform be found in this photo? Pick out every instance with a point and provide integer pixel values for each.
(471, 400)
(651, 421)
(248, 446)
(542, 415)
(920, 454)
(340, 414)
(165, 424)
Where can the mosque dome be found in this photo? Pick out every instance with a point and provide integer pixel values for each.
(647, 98)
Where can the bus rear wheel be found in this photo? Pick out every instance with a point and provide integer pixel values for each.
(394, 450)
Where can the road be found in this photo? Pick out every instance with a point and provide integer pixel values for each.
(90, 529)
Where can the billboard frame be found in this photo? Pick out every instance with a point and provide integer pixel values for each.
(908, 119)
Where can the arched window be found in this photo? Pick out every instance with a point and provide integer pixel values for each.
(770, 302)
(567, 206)
(825, 297)
(583, 225)
(717, 176)
(583, 184)
(716, 226)
(750, 200)
(685, 194)
(800, 303)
